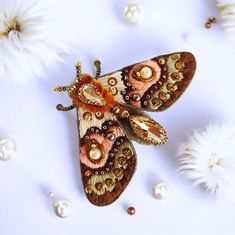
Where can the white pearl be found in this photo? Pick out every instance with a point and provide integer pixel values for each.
(62, 208)
(95, 153)
(160, 190)
(7, 149)
(132, 13)
(146, 72)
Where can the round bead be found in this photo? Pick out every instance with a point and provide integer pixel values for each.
(131, 13)
(131, 210)
(62, 208)
(95, 153)
(160, 190)
(110, 136)
(146, 72)
(136, 97)
(99, 115)
(7, 149)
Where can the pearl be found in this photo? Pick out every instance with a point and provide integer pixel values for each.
(95, 153)
(131, 13)
(146, 72)
(7, 149)
(160, 190)
(62, 208)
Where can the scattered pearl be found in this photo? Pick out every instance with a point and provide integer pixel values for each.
(7, 149)
(132, 13)
(160, 190)
(61, 207)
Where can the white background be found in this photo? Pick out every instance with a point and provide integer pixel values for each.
(47, 144)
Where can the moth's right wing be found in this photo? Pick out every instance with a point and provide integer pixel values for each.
(152, 85)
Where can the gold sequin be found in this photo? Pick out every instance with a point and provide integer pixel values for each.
(99, 115)
(88, 188)
(122, 160)
(99, 186)
(175, 57)
(117, 172)
(180, 65)
(162, 61)
(112, 81)
(156, 102)
(126, 152)
(163, 96)
(113, 90)
(175, 76)
(116, 110)
(171, 87)
(125, 114)
(109, 182)
(87, 116)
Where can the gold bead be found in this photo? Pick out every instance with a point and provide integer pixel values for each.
(207, 25)
(136, 97)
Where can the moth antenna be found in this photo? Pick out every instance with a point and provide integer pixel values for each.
(78, 71)
(98, 68)
(60, 107)
(69, 89)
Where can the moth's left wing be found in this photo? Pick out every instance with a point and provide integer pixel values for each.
(107, 156)
(154, 84)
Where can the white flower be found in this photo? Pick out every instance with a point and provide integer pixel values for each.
(208, 158)
(29, 42)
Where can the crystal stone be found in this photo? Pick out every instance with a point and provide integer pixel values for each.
(148, 129)
(91, 95)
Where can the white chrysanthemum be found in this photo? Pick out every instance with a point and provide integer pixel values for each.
(208, 158)
(29, 42)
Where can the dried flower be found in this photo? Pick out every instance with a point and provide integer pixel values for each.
(208, 158)
(28, 40)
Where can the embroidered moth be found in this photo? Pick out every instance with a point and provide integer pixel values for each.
(110, 113)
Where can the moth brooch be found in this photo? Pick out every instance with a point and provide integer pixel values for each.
(110, 113)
